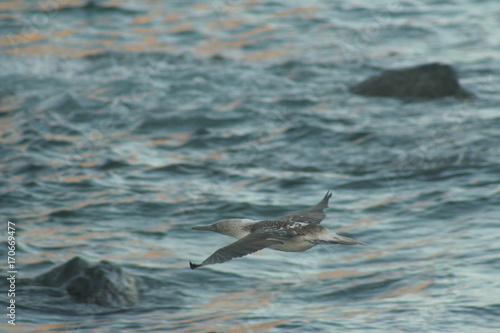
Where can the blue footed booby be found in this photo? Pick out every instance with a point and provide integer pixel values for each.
(294, 232)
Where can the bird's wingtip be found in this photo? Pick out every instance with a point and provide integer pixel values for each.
(327, 197)
(193, 266)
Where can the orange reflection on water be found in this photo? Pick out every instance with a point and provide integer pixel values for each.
(227, 23)
(182, 28)
(282, 52)
(412, 289)
(176, 139)
(10, 5)
(80, 178)
(254, 32)
(62, 137)
(308, 12)
(243, 300)
(338, 274)
(63, 327)
(147, 18)
(22, 38)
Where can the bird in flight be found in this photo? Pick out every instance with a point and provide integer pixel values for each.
(294, 232)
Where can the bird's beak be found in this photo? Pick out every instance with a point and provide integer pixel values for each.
(204, 228)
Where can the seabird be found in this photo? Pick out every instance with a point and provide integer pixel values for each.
(294, 232)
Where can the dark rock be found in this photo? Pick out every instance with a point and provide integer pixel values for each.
(425, 81)
(61, 274)
(103, 284)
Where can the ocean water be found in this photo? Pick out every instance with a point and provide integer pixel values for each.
(125, 123)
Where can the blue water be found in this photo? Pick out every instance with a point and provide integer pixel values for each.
(125, 123)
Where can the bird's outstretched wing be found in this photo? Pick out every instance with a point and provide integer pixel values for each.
(312, 215)
(246, 245)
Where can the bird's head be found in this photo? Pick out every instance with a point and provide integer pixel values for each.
(231, 227)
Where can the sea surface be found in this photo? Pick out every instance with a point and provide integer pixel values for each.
(125, 123)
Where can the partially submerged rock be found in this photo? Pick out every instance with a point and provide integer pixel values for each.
(425, 81)
(61, 274)
(103, 284)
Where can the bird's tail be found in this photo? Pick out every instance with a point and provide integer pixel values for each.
(337, 239)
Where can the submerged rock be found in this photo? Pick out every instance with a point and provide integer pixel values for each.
(425, 81)
(103, 284)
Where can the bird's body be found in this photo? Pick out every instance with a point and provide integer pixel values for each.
(295, 232)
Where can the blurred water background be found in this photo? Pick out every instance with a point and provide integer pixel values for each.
(125, 123)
